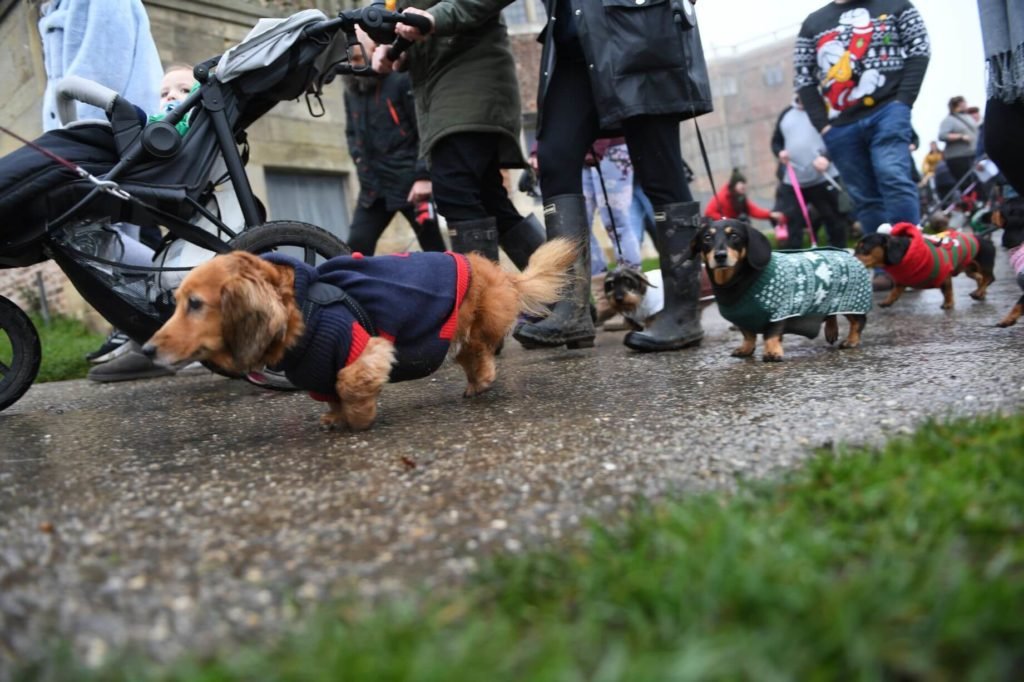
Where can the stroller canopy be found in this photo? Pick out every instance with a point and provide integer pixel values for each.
(270, 39)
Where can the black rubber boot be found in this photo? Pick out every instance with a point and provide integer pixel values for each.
(475, 235)
(569, 323)
(522, 240)
(678, 324)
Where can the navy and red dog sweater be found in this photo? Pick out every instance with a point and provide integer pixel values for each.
(412, 299)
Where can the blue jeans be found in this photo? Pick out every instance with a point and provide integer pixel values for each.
(871, 155)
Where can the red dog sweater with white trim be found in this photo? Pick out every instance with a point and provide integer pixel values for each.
(412, 300)
(929, 261)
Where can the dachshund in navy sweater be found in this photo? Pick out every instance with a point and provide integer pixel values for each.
(345, 328)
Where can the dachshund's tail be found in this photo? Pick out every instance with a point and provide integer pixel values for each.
(541, 283)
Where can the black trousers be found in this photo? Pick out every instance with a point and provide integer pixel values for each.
(369, 222)
(824, 199)
(1004, 143)
(569, 126)
(465, 170)
(960, 166)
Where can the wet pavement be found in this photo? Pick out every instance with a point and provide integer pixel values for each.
(183, 513)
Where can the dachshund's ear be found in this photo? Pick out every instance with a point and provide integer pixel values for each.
(895, 249)
(252, 318)
(759, 249)
(643, 278)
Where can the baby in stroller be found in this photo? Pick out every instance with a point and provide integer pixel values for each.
(119, 358)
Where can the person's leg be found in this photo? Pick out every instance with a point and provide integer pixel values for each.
(960, 166)
(428, 232)
(1004, 143)
(823, 197)
(568, 127)
(657, 160)
(850, 150)
(458, 165)
(786, 203)
(617, 174)
(890, 134)
(368, 223)
(598, 263)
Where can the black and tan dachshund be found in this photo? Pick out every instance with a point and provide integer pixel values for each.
(778, 293)
(922, 262)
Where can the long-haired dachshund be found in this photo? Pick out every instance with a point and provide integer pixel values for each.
(914, 259)
(1010, 217)
(778, 293)
(346, 327)
(638, 296)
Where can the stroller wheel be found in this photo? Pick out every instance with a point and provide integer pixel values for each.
(306, 242)
(19, 353)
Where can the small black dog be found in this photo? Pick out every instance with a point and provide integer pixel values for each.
(781, 293)
(1010, 216)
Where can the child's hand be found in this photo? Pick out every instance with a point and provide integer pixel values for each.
(380, 62)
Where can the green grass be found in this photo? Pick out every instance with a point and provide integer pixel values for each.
(64, 342)
(902, 564)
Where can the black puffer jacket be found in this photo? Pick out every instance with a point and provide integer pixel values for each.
(380, 126)
(641, 61)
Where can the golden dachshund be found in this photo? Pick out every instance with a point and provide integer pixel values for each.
(243, 312)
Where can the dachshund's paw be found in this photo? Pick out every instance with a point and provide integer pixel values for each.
(742, 353)
(849, 344)
(771, 357)
(831, 330)
(1006, 323)
(976, 296)
(475, 390)
(946, 306)
(332, 422)
(886, 304)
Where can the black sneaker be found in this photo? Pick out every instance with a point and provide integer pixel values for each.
(130, 365)
(111, 348)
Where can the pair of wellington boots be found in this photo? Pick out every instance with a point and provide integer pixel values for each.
(570, 323)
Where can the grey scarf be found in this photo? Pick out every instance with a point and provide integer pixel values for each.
(1002, 31)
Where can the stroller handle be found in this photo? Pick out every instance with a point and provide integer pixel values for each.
(378, 23)
(72, 89)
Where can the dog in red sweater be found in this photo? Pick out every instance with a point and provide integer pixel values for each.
(921, 261)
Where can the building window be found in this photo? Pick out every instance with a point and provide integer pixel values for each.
(774, 76)
(309, 197)
(728, 86)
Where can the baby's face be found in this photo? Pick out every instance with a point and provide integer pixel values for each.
(175, 86)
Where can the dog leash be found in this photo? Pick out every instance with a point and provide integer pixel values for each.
(800, 200)
(682, 18)
(608, 206)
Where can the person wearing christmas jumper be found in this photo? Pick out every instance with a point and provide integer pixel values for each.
(859, 65)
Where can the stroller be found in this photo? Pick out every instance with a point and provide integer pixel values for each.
(60, 194)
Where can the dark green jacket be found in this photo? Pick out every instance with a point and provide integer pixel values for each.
(464, 76)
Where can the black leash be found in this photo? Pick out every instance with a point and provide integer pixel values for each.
(608, 206)
(681, 21)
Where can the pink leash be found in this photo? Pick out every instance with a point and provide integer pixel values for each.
(800, 200)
